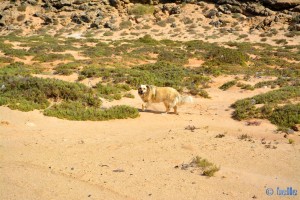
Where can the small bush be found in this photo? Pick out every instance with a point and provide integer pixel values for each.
(22, 8)
(77, 111)
(108, 33)
(140, 9)
(67, 68)
(204, 94)
(222, 56)
(286, 116)
(20, 18)
(162, 23)
(129, 95)
(228, 85)
(125, 24)
(291, 141)
(283, 116)
(111, 91)
(208, 168)
(53, 57)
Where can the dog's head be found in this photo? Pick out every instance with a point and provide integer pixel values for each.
(143, 89)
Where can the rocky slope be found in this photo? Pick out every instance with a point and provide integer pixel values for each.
(135, 17)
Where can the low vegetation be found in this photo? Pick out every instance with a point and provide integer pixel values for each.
(118, 65)
(207, 168)
(73, 101)
(284, 116)
(228, 85)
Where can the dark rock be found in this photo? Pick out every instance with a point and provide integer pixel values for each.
(114, 3)
(58, 4)
(76, 19)
(32, 2)
(231, 2)
(296, 127)
(296, 9)
(171, 9)
(211, 13)
(216, 23)
(173, 25)
(47, 20)
(280, 4)
(85, 18)
(110, 25)
(83, 7)
(2, 23)
(78, 2)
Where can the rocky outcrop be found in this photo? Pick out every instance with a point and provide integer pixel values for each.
(98, 13)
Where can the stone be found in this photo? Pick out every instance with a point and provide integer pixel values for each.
(211, 13)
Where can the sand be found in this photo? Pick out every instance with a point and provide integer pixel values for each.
(49, 158)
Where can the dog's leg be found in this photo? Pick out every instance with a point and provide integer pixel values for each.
(167, 107)
(145, 106)
(175, 110)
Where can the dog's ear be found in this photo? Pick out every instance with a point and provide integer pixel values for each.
(148, 87)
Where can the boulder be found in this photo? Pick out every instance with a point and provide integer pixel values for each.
(211, 13)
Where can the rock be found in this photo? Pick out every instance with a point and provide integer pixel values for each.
(79, 2)
(114, 3)
(171, 9)
(2, 23)
(280, 4)
(296, 9)
(32, 2)
(290, 131)
(296, 127)
(110, 25)
(173, 25)
(85, 18)
(231, 2)
(47, 20)
(75, 18)
(58, 4)
(267, 22)
(83, 7)
(216, 23)
(211, 13)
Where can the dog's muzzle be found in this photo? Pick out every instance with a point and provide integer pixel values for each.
(140, 91)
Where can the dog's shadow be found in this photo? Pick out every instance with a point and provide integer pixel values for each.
(154, 111)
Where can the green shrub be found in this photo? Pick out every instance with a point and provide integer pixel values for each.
(52, 57)
(19, 68)
(67, 68)
(20, 18)
(110, 91)
(286, 116)
(129, 95)
(283, 116)
(228, 85)
(204, 94)
(222, 56)
(140, 9)
(22, 8)
(244, 109)
(6, 59)
(34, 93)
(108, 33)
(77, 111)
(125, 24)
(178, 57)
(162, 23)
(208, 168)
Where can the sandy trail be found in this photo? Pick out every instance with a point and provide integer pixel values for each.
(48, 158)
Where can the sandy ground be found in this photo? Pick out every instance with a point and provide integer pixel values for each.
(49, 158)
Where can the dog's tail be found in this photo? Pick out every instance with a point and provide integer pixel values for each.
(185, 99)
